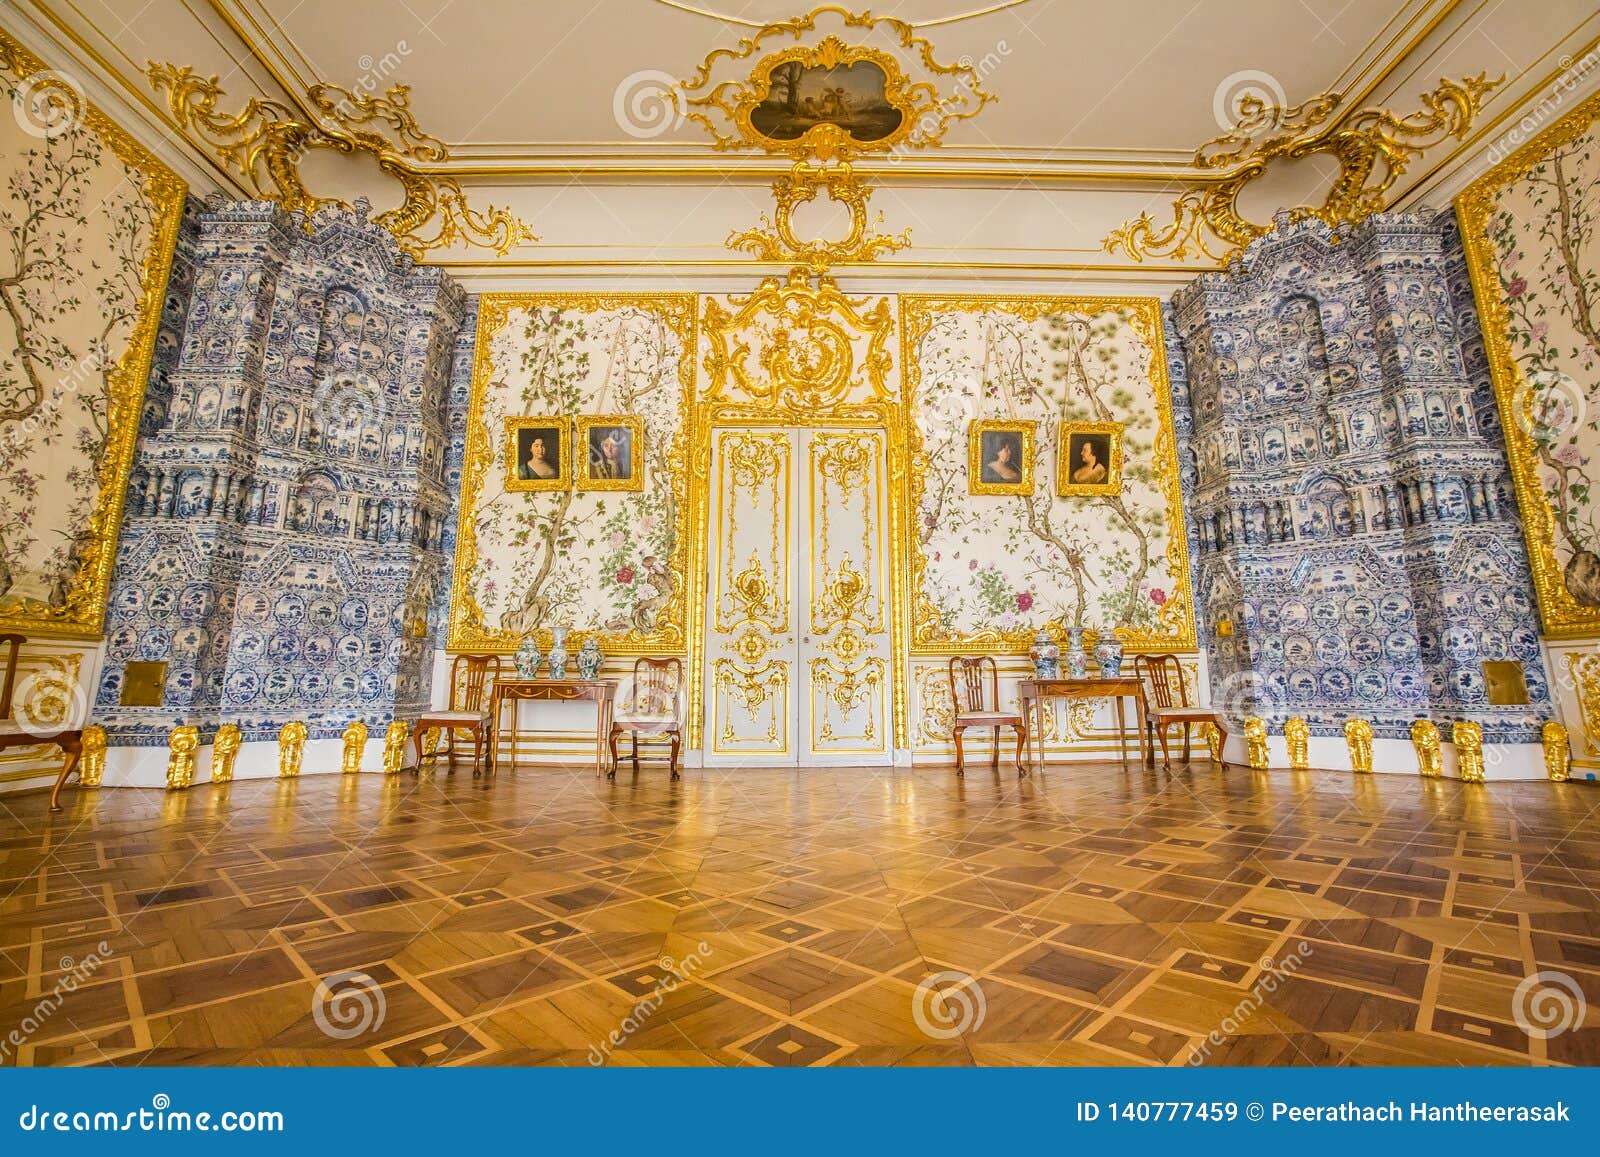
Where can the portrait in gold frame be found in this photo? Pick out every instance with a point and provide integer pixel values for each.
(1089, 459)
(997, 449)
(530, 465)
(609, 452)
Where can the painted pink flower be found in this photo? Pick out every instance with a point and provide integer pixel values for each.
(972, 564)
(1158, 596)
(1024, 601)
(617, 539)
(1568, 455)
(625, 576)
(1516, 286)
(936, 555)
(1538, 329)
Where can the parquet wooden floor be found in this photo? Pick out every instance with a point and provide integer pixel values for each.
(758, 917)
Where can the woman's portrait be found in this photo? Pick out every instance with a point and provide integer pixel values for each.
(1000, 457)
(611, 447)
(537, 457)
(1089, 458)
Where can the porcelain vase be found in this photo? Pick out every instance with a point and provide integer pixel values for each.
(1108, 653)
(1076, 659)
(528, 658)
(1046, 656)
(589, 659)
(558, 653)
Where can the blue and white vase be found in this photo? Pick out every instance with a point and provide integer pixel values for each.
(1046, 656)
(528, 658)
(1108, 653)
(589, 659)
(1077, 660)
(558, 653)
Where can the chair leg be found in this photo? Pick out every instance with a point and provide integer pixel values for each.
(672, 762)
(72, 750)
(635, 735)
(1022, 741)
(961, 767)
(1222, 747)
(1166, 756)
(994, 757)
(611, 772)
(1186, 729)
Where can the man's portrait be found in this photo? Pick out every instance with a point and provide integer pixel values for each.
(1089, 458)
(537, 454)
(611, 452)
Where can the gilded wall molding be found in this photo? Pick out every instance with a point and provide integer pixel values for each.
(1563, 615)
(80, 613)
(1373, 148)
(673, 627)
(266, 141)
(1175, 629)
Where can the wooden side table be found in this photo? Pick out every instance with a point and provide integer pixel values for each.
(601, 692)
(1033, 693)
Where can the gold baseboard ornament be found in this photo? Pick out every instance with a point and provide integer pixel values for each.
(92, 766)
(1297, 737)
(266, 142)
(1468, 738)
(1213, 735)
(291, 749)
(1425, 738)
(1557, 752)
(224, 751)
(1373, 147)
(1255, 738)
(394, 746)
(355, 742)
(1358, 738)
(181, 746)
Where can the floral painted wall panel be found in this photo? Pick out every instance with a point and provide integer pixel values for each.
(1532, 227)
(594, 560)
(91, 218)
(988, 570)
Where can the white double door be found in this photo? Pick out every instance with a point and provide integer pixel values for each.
(798, 644)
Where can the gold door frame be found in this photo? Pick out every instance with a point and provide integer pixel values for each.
(885, 417)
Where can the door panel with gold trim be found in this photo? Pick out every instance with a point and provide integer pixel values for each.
(797, 640)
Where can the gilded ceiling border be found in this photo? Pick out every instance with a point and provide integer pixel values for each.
(917, 314)
(1563, 616)
(673, 631)
(81, 615)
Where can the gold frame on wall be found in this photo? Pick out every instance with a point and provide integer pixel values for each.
(1563, 616)
(81, 614)
(514, 483)
(917, 314)
(635, 427)
(1067, 488)
(976, 429)
(672, 633)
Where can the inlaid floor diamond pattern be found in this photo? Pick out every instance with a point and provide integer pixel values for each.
(748, 917)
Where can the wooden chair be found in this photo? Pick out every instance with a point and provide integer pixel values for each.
(471, 681)
(651, 709)
(975, 709)
(1169, 703)
(17, 734)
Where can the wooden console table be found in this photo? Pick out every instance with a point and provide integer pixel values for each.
(601, 692)
(1033, 693)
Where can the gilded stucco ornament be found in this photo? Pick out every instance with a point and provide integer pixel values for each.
(291, 749)
(1372, 147)
(1557, 752)
(92, 768)
(1425, 738)
(1297, 737)
(1255, 739)
(224, 751)
(394, 746)
(1358, 738)
(776, 240)
(181, 746)
(355, 742)
(1468, 738)
(266, 142)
